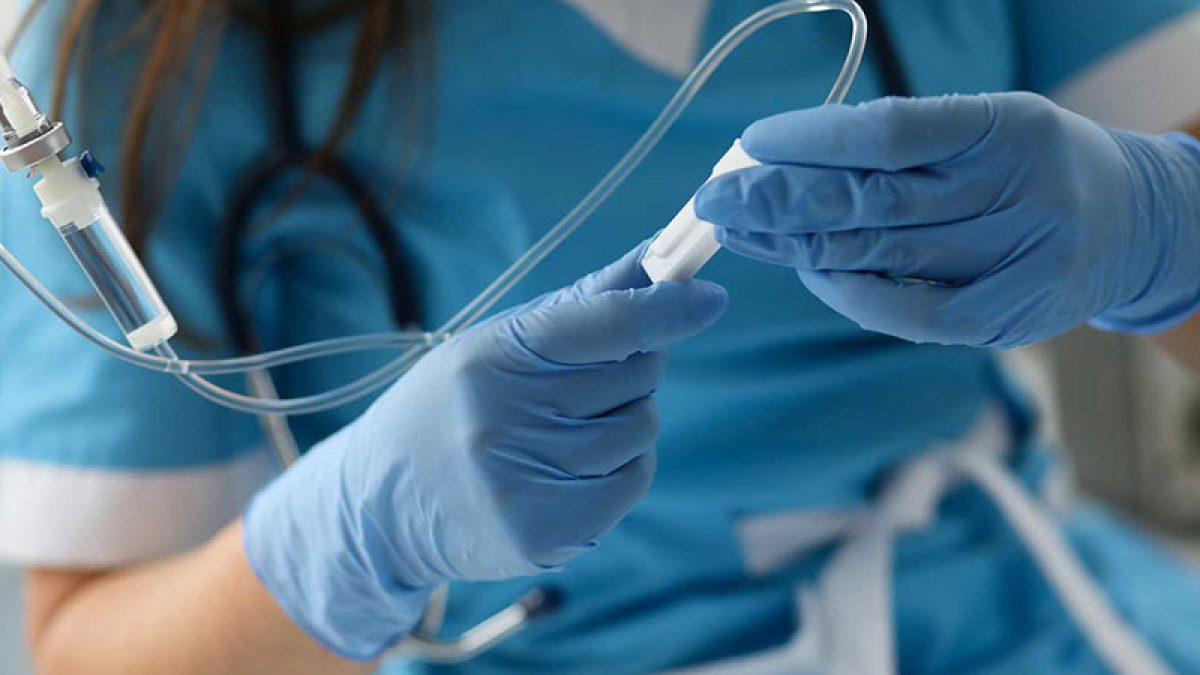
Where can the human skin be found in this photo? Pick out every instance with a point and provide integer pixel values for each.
(203, 611)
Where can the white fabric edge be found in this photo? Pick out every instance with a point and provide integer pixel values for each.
(8, 21)
(662, 34)
(771, 541)
(1152, 85)
(55, 516)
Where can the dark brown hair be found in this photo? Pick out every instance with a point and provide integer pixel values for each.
(179, 39)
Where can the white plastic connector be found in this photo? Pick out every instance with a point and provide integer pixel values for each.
(68, 195)
(153, 334)
(688, 242)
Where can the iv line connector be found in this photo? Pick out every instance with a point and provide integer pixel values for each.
(37, 148)
(29, 136)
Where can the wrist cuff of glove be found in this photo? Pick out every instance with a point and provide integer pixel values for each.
(1156, 312)
(329, 592)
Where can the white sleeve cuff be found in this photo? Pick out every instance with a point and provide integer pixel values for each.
(54, 516)
(1152, 85)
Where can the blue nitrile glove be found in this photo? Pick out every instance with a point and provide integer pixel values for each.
(507, 451)
(1028, 219)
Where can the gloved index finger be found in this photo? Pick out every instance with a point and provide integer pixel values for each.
(613, 325)
(624, 273)
(890, 134)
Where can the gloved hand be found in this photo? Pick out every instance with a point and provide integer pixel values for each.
(1028, 219)
(507, 451)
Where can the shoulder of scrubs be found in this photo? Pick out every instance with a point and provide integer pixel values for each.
(1123, 63)
(101, 463)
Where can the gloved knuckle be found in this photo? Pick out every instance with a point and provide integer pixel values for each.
(462, 368)
(824, 197)
(771, 179)
(887, 194)
(468, 376)
(475, 405)
(1024, 99)
(655, 366)
(636, 432)
(766, 193)
(1040, 118)
(520, 347)
(813, 250)
(640, 473)
(479, 437)
(646, 422)
(640, 373)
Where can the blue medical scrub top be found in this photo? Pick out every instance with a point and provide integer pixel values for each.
(783, 406)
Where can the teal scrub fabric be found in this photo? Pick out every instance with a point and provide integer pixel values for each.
(783, 406)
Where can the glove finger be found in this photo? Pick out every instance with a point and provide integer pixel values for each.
(601, 445)
(589, 392)
(954, 253)
(615, 324)
(620, 491)
(889, 134)
(785, 199)
(587, 509)
(773, 249)
(911, 311)
(625, 273)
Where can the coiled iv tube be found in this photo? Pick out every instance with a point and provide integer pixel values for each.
(415, 344)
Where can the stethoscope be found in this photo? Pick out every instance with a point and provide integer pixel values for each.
(290, 154)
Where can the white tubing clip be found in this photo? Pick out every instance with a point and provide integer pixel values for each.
(688, 242)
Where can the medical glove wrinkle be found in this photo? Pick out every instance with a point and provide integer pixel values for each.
(505, 452)
(995, 220)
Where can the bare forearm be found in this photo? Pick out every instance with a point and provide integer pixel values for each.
(201, 612)
(1183, 342)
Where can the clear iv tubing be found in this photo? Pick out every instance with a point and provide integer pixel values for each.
(416, 344)
(241, 364)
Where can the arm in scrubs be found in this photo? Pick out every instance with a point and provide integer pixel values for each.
(810, 412)
(507, 451)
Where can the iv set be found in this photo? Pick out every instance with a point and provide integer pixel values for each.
(69, 190)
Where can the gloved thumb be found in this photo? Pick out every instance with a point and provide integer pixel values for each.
(616, 324)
